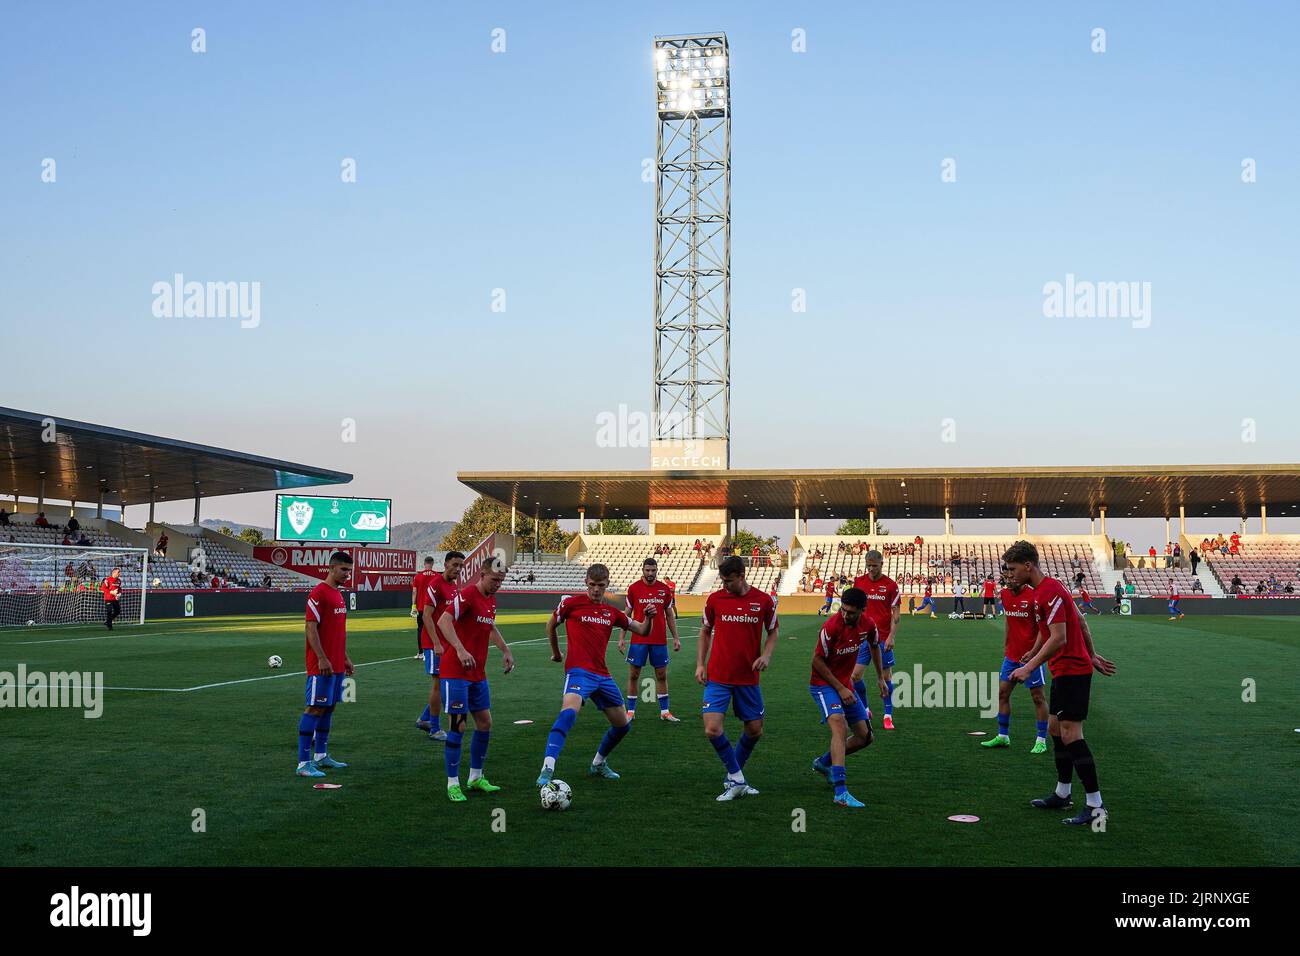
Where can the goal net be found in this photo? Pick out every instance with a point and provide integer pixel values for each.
(56, 584)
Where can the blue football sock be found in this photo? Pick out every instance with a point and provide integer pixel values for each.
(478, 745)
(611, 739)
(838, 778)
(631, 705)
(451, 753)
(728, 756)
(825, 759)
(306, 730)
(425, 715)
(559, 732)
(323, 731)
(889, 697)
(1004, 724)
(1042, 729)
(744, 749)
(663, 703)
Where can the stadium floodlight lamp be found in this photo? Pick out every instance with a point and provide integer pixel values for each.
(692, 77)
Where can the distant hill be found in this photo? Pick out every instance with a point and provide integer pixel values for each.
(423, 536)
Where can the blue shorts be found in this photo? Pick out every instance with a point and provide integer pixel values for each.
(324, 691)
(886, 657)
(929, 601)
(432, 661)
(1037, 679)
(745, 700)
(829, 703)
(658, 653)
(864, 655)
(829, 602)
(600, 689)
(461, 696)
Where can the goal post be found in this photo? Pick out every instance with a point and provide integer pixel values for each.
(60, 584)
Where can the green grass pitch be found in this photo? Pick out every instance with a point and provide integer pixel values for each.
(1193, 774)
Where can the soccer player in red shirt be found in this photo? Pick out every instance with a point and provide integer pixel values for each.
(641, 594)
(466, 626)
(112, 591)
(883, 609)
(838, 649)
(1023, 639)
(588, 622)
(830, 598)
(1069, 653)
(1085, 600)
(440, 589)
(418, 584)
(729, 663)
(990, 598)
(927, 600)
(327, 666)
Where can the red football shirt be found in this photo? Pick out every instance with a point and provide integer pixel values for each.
(1055, 607)
(587, 626)
(830, 590)
(112, 589)
(474, 615)
(929, 591)
(1022, 621)
(325, 606)
(738, 624)
(989, 587)
(838, 645)
(420, 582)
(437, 593)
(882, 598)
(640, 596)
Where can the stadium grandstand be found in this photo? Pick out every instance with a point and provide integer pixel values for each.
(66, 526)
(681, 509)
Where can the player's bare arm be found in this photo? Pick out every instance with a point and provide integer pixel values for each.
(823, 671)
(765, 659)
(880, 671)
(1099, 663)
(702, 652)
(642, 628)
(313, 640)
(448, 632)
(552, 635)
(670, 617)
(500, 642)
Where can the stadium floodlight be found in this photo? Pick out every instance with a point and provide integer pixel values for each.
(692, 390)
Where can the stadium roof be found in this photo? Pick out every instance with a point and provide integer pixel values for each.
(83, 459)
(1139, 491)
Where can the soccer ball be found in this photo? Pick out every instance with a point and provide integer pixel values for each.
(274, 661)
(556, 795)
(157, 582)
(31, 623)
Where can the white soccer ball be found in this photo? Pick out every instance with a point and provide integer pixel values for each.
(31, 623)
(275, 660)
(157, 582)
(556, 795)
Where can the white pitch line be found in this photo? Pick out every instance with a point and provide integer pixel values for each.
(250, 680)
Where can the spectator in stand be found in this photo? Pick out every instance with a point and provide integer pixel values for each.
(66, 540)
(531, 578)
(1119, 597)
(266, 581)
(1195, 559)
(918, 541)
(73, 526)
(1236, 584)
(83, 539)
(4, 518)
(1197, 587)
(216, 582)
(1289, 589)
(40, 521)
(1178, 550)
(161, 547)
(1259, 588)
(1151, 553)
(1234, 544)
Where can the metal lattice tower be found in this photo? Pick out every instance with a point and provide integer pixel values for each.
(692, 391)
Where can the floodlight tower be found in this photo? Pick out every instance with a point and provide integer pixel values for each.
(692, 390)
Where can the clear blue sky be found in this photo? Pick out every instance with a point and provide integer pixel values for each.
(521, 171)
